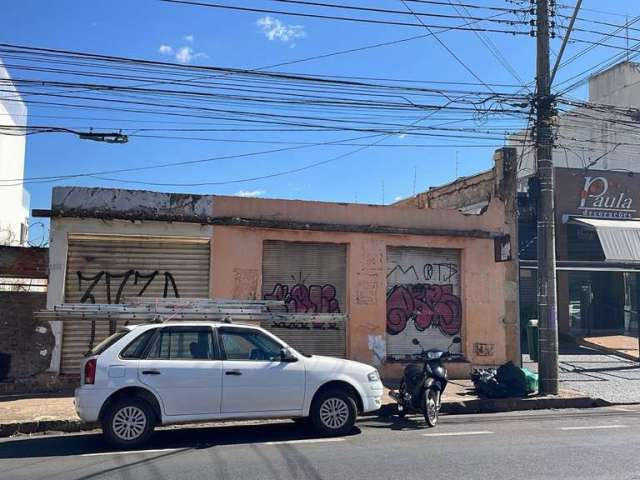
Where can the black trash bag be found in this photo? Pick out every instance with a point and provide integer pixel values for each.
(514, 378)
(487, 385)
(507, 381)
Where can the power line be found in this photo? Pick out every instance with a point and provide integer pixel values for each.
(335, 17)
(472, 5)
(48, 179)
(397, 12)
(493, 49)
(444, 45)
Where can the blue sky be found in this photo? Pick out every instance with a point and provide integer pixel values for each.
(149, 29)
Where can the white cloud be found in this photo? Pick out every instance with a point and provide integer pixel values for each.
(402, 135)
(250, 193)
(187, 54)
(189, 38)
(184, 54)
(274, 29)
(398, 198)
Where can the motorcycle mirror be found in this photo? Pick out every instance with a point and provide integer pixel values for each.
(456, 340)
(415, 341)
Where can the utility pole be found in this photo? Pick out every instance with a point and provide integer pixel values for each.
(547, 306)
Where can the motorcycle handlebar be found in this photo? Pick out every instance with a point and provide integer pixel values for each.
(424, 354)
(453, 355)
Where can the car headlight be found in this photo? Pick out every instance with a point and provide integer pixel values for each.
(374, 376)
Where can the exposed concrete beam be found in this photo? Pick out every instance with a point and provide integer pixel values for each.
(274, 224)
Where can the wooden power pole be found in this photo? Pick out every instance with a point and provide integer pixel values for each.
(547, 305)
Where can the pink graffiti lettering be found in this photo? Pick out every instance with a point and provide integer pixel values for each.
(427, 305)
(306, 299)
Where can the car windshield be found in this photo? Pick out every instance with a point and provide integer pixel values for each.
(107, 342)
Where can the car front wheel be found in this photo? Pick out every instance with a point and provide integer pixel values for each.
(128, 422)
(334, 413)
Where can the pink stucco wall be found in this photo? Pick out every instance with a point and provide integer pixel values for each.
(237, 266)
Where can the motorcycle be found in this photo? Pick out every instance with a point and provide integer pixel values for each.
(421, 389)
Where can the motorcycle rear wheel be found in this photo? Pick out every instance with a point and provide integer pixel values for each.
(431, 406)
(401, 408)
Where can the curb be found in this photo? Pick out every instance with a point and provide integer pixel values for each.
(387, 410)
(501, 405)
(69, 426)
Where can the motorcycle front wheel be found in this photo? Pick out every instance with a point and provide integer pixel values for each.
(431, 406)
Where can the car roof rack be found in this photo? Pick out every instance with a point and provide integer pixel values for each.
(160, 310)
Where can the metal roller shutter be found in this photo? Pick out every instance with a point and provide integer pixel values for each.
(309, 278)
(423, 299)
(108, 269)
(317, 337)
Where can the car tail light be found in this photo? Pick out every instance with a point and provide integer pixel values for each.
(90, 372)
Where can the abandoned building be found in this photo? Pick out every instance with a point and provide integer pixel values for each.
(423, 268)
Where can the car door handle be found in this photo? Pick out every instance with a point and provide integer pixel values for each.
(150, 372)
(233, 372)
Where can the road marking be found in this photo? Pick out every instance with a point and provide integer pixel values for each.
(308, 440)
(594, 427)
(124, 452)
(457, 434)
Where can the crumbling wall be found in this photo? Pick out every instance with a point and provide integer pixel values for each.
(463, 192)
(131, 204)
(24, 262)
(25, 342)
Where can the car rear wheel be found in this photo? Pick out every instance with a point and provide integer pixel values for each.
(334, 413)
(128, 422)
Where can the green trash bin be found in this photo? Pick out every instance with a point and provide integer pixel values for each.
(532, 339)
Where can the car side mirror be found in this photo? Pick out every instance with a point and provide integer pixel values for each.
(286, 356)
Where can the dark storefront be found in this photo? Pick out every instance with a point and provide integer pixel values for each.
(597, 252)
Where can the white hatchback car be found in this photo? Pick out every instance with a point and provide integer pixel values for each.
(161, 374)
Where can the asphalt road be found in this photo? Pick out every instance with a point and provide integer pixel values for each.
(568, 444)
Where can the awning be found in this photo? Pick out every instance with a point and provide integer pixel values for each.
(620, 239)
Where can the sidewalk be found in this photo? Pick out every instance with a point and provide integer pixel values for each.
(596, 374)
(621, 345)
(39, 413)
(460, 398)
(55, 412)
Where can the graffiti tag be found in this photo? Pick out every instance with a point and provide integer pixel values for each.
(306, 299)
(144, 280)
(429, 272)
(295, 325)
(426, 305)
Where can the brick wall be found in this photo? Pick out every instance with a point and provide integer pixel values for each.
(25, 343)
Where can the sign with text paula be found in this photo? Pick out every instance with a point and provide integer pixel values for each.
(597, 193)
